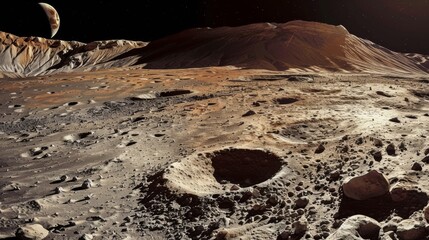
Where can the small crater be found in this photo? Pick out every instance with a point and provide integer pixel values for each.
(222, 171)
(244, 167)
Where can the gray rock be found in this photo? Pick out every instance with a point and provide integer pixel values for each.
(372, 184)
(86, 237)
(64, 178)
(357, 227)
(87, 184)
(31, 232)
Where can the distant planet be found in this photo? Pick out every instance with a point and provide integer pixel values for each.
(53, 16)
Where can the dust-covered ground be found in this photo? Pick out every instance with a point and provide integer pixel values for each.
(212, 153)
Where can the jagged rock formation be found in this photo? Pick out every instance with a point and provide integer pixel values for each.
(32, 56)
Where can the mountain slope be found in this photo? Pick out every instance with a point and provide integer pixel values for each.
(32, 56)
(293, 45)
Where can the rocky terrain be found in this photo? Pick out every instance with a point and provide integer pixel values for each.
(216, 152)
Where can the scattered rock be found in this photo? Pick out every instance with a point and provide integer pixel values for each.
(319, 149)
(299, 227)
(173, 93)
(86, 237)
(334, 175)
(427, 151)
(372, 184)
(411, 230)
(301, 203)
(395, 120)
(357, 227)
(284, 101)
(249, 113)
(63, 178)
(416, 167)
(58, 190)
(359, 141)
(390, 149)
(31, 232)
(402, 147)
(87, 184)
(384, 94)
(377, 155)
(378, 143)
(425, 159)
(426, 213)
(285, 235)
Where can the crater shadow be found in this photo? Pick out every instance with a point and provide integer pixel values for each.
(244, 167)
(380, 208)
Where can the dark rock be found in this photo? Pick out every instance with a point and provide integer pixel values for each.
(376, 155)
(249, 113)
(425, 159)
(395, 120)
(319, 149)
(416, 167)
(301, 203)
(390, 149)
(378, 143)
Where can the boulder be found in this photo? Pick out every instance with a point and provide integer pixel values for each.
(411, 230)
(31, 232)
(357, 227)
(372, 184)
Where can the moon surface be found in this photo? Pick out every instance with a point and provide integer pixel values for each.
(53, 16)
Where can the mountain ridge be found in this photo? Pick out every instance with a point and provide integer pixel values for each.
(293, 46)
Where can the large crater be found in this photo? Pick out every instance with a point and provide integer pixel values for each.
(218, 171)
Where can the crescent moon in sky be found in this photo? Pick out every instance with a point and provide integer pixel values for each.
(54, 18)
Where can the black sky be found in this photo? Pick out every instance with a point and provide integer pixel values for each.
(401, 25)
